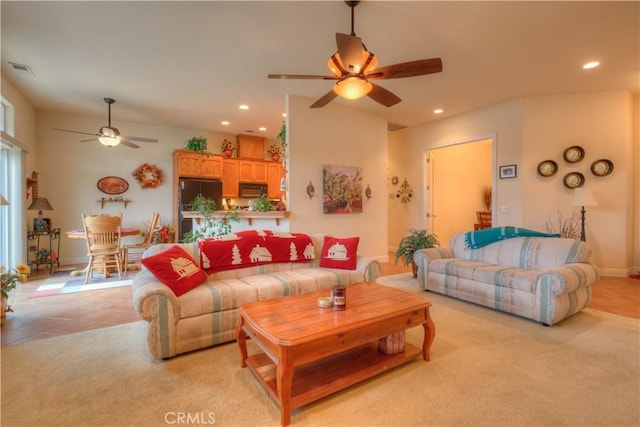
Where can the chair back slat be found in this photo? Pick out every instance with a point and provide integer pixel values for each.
(102, 233)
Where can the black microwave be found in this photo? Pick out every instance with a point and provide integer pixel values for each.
(248, 190)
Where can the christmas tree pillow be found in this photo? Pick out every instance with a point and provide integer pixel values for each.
(176, 269)
(339, 253)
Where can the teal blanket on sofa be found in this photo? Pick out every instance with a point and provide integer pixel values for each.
(480, 238)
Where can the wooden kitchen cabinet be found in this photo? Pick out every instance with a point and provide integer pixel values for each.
(230, 178)
(252, 171)
(250, 147)
(197, 165)
(275, 172)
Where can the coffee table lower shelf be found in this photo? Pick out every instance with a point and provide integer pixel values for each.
(321, 378)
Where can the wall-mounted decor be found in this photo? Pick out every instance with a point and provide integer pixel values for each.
(112, 185)
(395, 180)
(573, 180)
(405, 193)
(148, 176)
(310, 190)
(547, 168)
(342, 189)
(573, 154)
(367, 192)
(508, 171)
(602, 167)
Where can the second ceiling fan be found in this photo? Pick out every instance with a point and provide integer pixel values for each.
(353, 66)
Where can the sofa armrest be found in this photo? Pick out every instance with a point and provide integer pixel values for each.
(422, 257)
(370, 267)
(568, 278)
(147, 290)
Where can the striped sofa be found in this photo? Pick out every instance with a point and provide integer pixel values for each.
(541, 278)
(208, 314)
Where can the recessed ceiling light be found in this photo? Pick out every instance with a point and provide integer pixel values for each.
(590, 65)
(438, 111)
(262, 128)
(284, 114)
(224, 123)
(244, 107)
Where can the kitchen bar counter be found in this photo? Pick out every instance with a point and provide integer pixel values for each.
(248, 215)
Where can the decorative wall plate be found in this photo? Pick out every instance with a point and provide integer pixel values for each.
(547, 168)
(602, 167)
(573, 180)
(112, 185)
(573, 154)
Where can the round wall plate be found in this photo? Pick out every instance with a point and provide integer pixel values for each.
(112, 185)
(573, 180)
(573, 154)
(547, 168)
(602, 167)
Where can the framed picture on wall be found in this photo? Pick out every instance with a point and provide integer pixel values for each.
(508, 171)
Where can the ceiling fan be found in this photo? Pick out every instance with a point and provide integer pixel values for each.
(353, 66)
(110, 136)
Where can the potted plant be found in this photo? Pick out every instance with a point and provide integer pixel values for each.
(275, 151)
(417, 239)
(197, 143)
(282, 136)
(227, 148)
(210, 226)
(9, 279)
(261, 204)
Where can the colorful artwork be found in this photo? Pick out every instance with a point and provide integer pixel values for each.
(341, 189)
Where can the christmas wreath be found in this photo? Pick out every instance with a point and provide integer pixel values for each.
(148, 176)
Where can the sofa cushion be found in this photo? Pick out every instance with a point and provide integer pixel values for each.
(507, 277)
(339, 253)
(175, 268)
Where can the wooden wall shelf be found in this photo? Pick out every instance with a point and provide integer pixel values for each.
(104, 200)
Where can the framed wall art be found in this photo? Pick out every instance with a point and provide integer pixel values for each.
(341, 189)
(508, 171)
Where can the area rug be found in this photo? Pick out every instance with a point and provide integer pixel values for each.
(487, 368)
(64, 283)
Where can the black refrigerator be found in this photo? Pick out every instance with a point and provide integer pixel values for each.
(190, 188)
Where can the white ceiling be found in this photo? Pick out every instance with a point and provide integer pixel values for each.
(190, 64)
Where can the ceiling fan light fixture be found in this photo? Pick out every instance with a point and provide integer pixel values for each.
(352, 88)
(109, 141)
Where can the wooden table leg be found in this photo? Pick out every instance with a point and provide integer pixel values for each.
(241, 337)
(284, 377)
(429, 335)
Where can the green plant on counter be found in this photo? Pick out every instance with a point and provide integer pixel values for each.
(282, 136)
(197, 143)
(262, 204)
(210, 225)
(417, 239)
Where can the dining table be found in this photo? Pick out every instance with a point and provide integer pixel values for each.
(80, 234)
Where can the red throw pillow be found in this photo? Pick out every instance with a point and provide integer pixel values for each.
(176, 269)
(339, 253)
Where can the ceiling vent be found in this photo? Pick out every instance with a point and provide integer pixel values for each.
(392, 127)
(21, 67)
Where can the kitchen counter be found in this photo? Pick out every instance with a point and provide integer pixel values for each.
(248, 215)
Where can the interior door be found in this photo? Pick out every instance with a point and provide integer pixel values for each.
(455, 180)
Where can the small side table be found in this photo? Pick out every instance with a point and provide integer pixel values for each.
(43, 248)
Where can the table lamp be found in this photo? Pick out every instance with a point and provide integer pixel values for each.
(40, 204)
(583, 197)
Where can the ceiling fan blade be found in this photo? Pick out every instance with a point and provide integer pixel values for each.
(75, 131)
(139, 139)
(407, 69)
(301, 76)
(328, 97)
(350, 50)
(129, 143)
(383, 96)
(89, 140)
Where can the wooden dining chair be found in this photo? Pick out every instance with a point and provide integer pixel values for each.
(484, 220)
(102, 233)
(134, 251)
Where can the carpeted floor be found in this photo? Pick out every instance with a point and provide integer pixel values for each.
(64, 283)
(487, 369)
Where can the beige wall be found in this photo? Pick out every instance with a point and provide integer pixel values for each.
(337, 135)
(534, 129)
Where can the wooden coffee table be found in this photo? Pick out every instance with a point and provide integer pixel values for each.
(309, 352)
